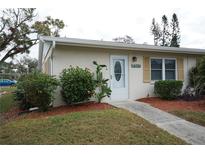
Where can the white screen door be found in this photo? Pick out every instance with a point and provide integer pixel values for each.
(119, 77)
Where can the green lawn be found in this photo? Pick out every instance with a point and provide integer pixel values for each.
(192, 116)
(6, 102)
(111, 126)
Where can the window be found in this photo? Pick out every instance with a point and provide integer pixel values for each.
(163, 69)
(170, 69)
(156, 69)
(117, 70)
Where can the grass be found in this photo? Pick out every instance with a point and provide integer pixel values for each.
(192, 116)
(6, 102)
(111, 126)
(8, 89)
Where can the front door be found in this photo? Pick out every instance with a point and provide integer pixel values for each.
(119, 77)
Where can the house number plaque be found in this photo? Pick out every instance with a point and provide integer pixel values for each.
(135, 66)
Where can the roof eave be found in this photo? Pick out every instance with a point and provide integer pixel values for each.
(122, 46)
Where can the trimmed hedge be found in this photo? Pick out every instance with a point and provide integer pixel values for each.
(77, 85)
(168, 89)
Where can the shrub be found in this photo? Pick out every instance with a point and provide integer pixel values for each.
(102, 89)
(168, 89)
(197, 79)
(36, 90)
(190, 94)
(193, 76)
(77, 84)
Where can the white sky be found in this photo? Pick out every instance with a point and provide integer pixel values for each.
(106, 19)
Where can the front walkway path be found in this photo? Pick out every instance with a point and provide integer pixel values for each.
(189, 132)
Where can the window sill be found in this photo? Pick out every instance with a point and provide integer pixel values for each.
(152, 82)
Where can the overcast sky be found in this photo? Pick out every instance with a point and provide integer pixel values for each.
(106, 19)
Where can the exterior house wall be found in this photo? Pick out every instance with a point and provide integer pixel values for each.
(64, 56)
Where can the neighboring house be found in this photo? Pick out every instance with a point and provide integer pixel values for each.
(131, 68)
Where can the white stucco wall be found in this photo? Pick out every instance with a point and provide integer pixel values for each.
(82, 57)
(64, 56)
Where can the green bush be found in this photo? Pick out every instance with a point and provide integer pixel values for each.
(77, 84)
(36, 90)
(168, 89)
(197, 79)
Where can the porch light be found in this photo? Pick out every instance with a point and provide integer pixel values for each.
(134, 59)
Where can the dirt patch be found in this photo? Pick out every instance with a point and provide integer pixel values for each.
(13, 113)
(5, 92)
(172, 105)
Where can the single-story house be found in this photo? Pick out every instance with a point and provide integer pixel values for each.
(132, 69)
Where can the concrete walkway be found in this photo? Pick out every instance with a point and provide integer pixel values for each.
(189, 132)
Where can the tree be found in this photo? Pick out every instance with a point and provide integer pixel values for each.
(168, 34)
(155, 31)
(175, 36)
(19, 31)
(165, 32)
(126, 39)
(26, 65)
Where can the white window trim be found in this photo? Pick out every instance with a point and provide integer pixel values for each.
(163, 67)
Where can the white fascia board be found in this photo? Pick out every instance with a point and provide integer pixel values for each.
(116, 45)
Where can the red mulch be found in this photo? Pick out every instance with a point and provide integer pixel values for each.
(69, 108)
(14, 113)
(178, 104)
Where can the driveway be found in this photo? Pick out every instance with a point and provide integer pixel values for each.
(189, 132)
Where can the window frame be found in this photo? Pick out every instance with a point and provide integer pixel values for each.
(170, 69)
(155, 69)
(163, 67)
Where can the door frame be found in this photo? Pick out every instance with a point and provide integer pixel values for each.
(125, 57)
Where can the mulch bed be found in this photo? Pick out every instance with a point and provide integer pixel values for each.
(179, 104)
(14, 113)
(69, 108)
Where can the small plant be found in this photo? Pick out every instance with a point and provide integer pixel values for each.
(168, 89)
(102, 89)
(77, 85)
(190, 94)
(197, 79)
(36, 90)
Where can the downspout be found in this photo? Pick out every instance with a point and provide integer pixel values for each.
(53, 47)
(187, 72)
(40, 56)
